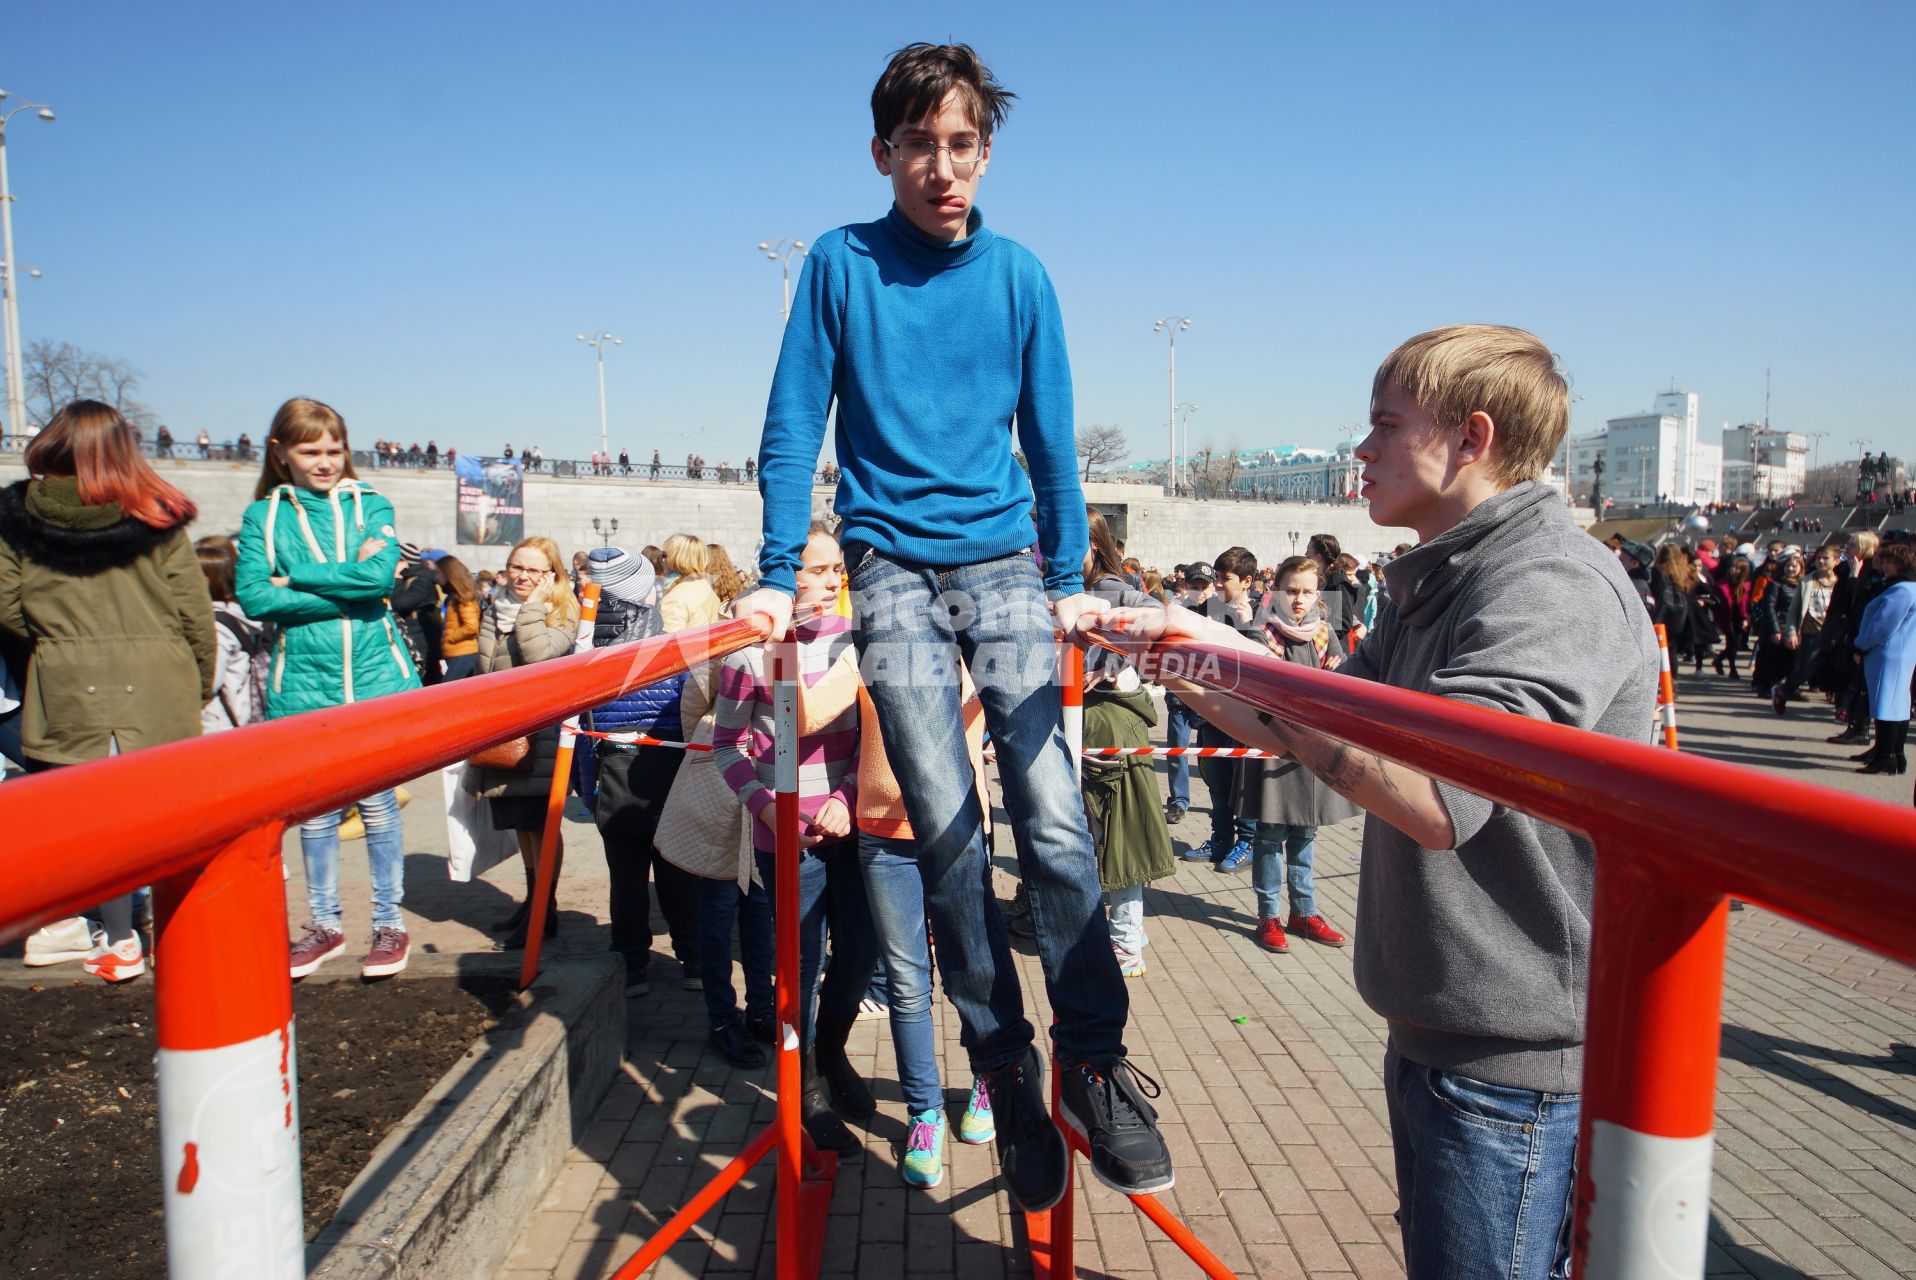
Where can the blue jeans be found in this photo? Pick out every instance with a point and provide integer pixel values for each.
(896, 892)
(913, 625)
(1224, 779)
(1180, 730)
(720, 903)
(385, 849)
(1484, 1174)
(831, 892)
(1281, 852)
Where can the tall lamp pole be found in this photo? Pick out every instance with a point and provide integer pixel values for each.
(1172, 326)
(1188, 410)
(597, 342)
(6, 320)
(782, 251)
(16, 383)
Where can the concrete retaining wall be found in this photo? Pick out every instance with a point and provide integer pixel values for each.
(1158, 530)
(448, 1191)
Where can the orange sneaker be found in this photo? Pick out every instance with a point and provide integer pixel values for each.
(1270, 936)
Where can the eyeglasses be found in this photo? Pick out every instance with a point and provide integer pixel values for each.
(526, 571)
(965, 153)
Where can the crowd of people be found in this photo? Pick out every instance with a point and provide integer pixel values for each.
(926, 624)
(1833, 621)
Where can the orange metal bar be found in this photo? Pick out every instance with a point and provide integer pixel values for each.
(547, 872)
(174, 805)
(708, 1195)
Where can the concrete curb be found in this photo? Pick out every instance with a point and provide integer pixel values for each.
(447, 1193)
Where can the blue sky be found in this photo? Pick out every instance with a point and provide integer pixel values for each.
(409, 210)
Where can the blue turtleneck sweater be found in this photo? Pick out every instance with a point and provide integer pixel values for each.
(932, 351)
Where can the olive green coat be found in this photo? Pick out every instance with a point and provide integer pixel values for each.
(118, 618)
(1121, 796)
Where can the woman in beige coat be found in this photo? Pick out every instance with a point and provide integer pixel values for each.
(535, 619)
(689, 599)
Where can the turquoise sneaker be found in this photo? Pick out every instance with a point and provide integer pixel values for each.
(925, 1150)
(976, 1127)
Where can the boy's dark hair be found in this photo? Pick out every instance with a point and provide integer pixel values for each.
(920, 77)
(1237, 560)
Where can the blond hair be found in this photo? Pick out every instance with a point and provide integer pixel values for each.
(562, 607)
(685, 555)
(1506, 373)
(1866, 542)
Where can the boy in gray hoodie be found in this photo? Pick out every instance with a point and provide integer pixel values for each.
(1473, 921)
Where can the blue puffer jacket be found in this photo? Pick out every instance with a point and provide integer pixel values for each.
(652, 709)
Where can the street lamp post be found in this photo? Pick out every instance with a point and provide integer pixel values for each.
(606, 533)
(782, 251)
(16, 384)
(597, 342)
(6, 324)
(1172, 326)
(1188, 409)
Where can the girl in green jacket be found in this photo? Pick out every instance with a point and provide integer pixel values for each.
(317, 555)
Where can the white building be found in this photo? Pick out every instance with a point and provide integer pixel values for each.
(1648, 458)
(1761, 464)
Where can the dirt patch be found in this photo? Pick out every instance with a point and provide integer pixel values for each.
(79, 1116)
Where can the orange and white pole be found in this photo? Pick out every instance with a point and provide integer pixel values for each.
(1649, 1078)
(229, 1094)
(1666, 689)
(555, 805)
(1071, 695)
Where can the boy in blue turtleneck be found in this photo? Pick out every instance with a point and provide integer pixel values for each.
(937, 339)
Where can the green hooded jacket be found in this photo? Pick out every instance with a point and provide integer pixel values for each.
(337, 640)
(118, 619)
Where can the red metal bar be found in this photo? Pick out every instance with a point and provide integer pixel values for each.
(708, 1195)
(547, 873)
(174, 804)
(1792, 847)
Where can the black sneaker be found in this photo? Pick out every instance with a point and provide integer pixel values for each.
(1102, 1102)
(735, 1046)
(1030, 1148)
(763, 1030)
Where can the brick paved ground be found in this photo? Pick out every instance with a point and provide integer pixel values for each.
(1277, 1124)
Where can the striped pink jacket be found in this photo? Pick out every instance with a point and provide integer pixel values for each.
(742, 729)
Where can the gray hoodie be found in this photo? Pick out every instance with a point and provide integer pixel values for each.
(1478, 957)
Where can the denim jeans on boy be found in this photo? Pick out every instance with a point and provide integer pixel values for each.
(1180, 730)
(1282, 852)
(897, 898)
(1224, 778)
(721, 903)
(913, 623)
(1484, 1174)
(831, 891)
(385, 849)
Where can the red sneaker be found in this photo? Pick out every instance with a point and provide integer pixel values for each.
(1317, 929)
(317, 943)
(388, 955)
(1270, 936)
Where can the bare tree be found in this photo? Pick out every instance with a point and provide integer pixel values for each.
(1099, 444)
(58, 373)
(1213, 470)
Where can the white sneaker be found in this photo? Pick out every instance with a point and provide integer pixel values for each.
(117, 963)
(59, 942)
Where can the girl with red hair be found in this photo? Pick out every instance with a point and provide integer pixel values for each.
(99, 579)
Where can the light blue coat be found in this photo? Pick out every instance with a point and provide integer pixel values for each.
(1887, 641)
